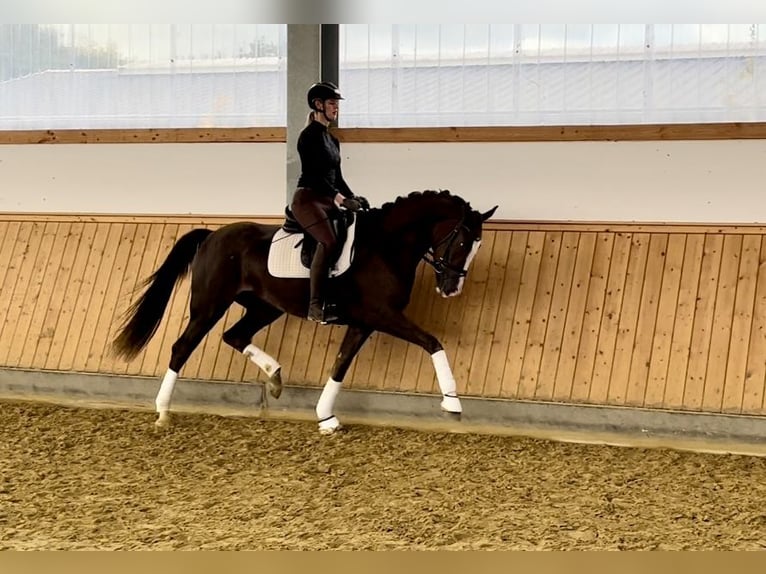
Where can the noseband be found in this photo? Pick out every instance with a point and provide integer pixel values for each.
(442, 264)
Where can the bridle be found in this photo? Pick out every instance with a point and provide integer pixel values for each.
(442, 264)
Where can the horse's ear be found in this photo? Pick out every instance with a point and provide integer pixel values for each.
(488, 214)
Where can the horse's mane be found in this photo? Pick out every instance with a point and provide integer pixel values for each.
(387, 207)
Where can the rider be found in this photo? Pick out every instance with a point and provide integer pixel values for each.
(321, 189)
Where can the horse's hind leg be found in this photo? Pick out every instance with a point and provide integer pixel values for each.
(349, 347)
(200, 322)
(258, 314)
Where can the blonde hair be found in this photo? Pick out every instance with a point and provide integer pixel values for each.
(310, 117)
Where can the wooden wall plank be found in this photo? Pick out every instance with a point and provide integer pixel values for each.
(755, 375)
(591, 320)
(575, 319)
(17, 280)
(720, 339)
(473, 295)
(683, 328)
(490, 314)
(47, 330)
(501, 338)
(667, 310)
(94, 301)
(28, 291)
(557, 317)
(64, 317)
(739, 339)
(610, 318)
(538, 321)
(514, 359)
(703, 323)
(647, 320)
(46, 284)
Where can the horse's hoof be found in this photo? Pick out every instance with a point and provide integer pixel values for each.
(162, 422)
(275, 384)
(330, 426)
(451, 405)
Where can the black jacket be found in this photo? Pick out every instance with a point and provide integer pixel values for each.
(320, 161)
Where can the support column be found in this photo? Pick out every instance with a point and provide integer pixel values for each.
(303, 67)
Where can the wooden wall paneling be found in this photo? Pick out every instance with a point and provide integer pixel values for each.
(626, 331)
(557, 316)
(755, 375)
(151, 354)
(122, 294)
(28, 290)
(575, 317)
(530, 272)
(538, 320)
(287, 347)
(93, 301)
(667, 310)
(7, 248)
(224, 355)
(683, 326)
(112, 274)
(647, 319)
(610, 318)
(474, 297)
(76, 335)
(16, 280)
(511, 271)
(61, 284)
(55, 270)
(591, 321)
(703, 322)
(298, 372)
(71, 292)
(149, 263)
(490, 313)
(739, 339)
(723, 313)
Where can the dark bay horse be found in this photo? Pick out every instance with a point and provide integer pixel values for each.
(230, 265)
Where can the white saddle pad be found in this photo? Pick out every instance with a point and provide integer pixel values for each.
(285, 255)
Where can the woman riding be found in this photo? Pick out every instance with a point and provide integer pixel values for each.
(321, 190)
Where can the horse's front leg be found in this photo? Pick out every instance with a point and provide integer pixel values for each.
(349, 347)
(400, 326)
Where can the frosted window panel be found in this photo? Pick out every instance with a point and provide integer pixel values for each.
(79, 76)
(529, 74)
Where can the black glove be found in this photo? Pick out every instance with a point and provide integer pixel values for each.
(363, 202)
(351, 204)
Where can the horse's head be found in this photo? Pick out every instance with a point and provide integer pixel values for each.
(455, 243)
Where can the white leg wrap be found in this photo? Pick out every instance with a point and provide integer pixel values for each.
(162, 402)
(326, 401)
(447, 383)
(265, 362)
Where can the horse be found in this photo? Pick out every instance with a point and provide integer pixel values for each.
(230, 265)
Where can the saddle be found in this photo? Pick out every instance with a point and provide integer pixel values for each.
(340, 220)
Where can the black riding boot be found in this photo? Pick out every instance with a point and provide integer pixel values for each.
(319, 311)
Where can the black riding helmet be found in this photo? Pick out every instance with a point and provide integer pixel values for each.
(322, 91)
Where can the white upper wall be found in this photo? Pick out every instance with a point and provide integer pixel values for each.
(679, 181)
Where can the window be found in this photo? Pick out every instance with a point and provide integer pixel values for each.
(506, 74)
(79, 76)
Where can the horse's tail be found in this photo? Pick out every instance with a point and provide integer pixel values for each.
(142, 318)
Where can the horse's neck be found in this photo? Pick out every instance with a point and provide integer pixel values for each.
(410, 228)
